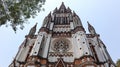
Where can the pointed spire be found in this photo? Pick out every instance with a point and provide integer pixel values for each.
(68, 9)
(33, 30)
(55, 10)
(49, 15)
(62, 8)
(91, 28)
(74, 14)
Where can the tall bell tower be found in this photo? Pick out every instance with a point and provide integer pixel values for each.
(62, 42)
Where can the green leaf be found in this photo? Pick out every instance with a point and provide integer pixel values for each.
(19, 11)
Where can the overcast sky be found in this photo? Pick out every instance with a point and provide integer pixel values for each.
(104, 15)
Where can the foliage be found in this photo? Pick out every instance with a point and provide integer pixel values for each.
(16, 12)
(118, 63)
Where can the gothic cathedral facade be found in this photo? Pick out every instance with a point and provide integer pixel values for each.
(62, 42)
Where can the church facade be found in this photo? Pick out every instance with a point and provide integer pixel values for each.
(62, 42)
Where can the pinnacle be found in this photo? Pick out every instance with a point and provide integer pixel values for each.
(89, 24)
(49, 14)
(74, 13)
(35, 24)
(62, 6)
(55, 9)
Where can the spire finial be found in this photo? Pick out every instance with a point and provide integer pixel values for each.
(49, 15)
(88, 24)
(91, 28)
(69, 9)
(74, 13)
(62, 8)
(62, 3)
(55, 10)
(33, 30)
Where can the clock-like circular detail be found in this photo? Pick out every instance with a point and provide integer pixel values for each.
(61, 45)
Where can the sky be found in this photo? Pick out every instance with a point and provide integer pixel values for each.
(104, 15)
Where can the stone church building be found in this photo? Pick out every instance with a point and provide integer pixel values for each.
(62, 42)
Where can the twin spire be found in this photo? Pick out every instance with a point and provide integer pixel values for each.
(63, 9)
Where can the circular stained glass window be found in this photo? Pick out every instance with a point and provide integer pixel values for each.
(61, 46)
